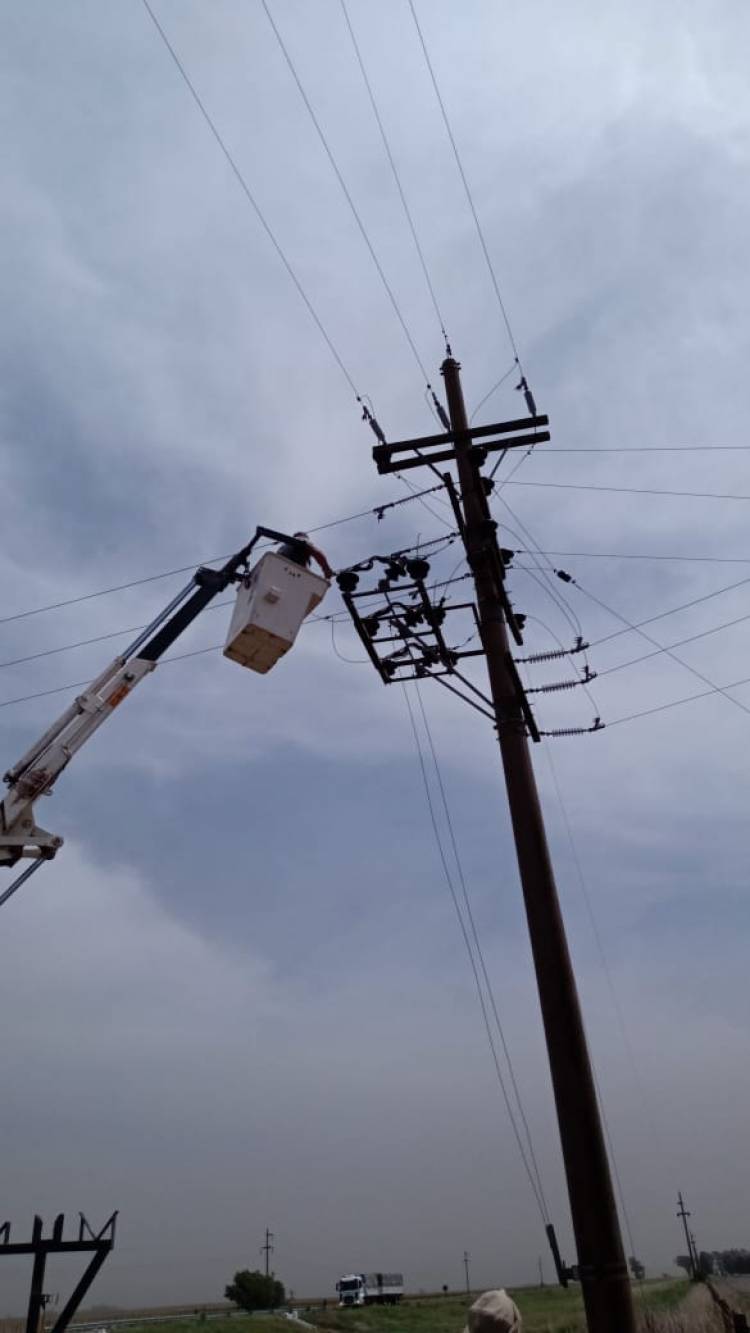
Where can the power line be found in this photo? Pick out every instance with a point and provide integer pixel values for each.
(632, 555)
(410, 485)
(637, 627)
(78, 684)
(480, 994)
(616, 1004)
(377, 512)
(394, 169)
(498, 384)
(645, 449)
(704, 634)
(520, 462)
(626, 490)
(658, 649)
(345, 189)
(477, 945)
(350, 661)
(680, 660)
(675, 703)
(557, 596)
(662, 615)
(543, 579)
(251, 199)
(469, 196)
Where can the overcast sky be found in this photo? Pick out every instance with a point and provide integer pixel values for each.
(239, 998)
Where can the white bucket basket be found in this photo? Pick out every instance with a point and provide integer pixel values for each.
(269, 611)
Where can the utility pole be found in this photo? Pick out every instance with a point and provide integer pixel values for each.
(268, 1248)
(466, 1270)
(601, 1259)
(683, 1213)
(541, 1272)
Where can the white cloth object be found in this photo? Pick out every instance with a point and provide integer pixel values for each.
(494, 1312)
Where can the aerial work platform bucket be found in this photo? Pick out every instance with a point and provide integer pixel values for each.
(271, 605)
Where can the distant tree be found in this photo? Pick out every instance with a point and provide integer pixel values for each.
(684, 1261)
(254, 1291)
(705, 1263)
(734, 1261)
(637, 1268)
(445, 1288)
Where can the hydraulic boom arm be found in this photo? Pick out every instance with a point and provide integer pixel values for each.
(35, 774)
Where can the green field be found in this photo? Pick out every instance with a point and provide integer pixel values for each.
(547, 1310)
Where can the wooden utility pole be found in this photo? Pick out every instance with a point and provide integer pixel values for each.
(689, 1237)
(683, 1213)
(601, 1259)
(466, 1270)
(268, 1248)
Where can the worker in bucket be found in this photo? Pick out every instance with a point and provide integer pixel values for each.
(494, 1312)
(300, 551)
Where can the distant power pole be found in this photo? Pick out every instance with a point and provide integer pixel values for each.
(466, 1269)
(268, 1248)
(684, 1214)
(541, 1272)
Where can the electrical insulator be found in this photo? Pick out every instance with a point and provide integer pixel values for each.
(418, 569)
(347, 580)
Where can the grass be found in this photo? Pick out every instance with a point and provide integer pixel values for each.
(545, 1310)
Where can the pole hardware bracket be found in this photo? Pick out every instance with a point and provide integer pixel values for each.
(430, 449)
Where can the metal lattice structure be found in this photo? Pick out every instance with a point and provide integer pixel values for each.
(96, 1243)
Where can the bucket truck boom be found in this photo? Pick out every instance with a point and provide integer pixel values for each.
(272, 602)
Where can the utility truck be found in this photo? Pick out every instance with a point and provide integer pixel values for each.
(272, 601)
(370, 1288)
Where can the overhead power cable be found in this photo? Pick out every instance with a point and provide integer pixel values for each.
(554, 591)
(518, 464)
(675, 703)
(395, 171)
(81, 684)
(645, 449)
(667, 651)
(627, 490)
(377, 512)
(615, 998)
(544, 579)
(345, 190)
(265, 224)
(692, 638)
(467, 189)
(477, 945)
(472, 961)
(616, 1002)
(634, 555)
(78, 684)
(497, 385)
(215, 647)
(673, 610)
(683, 606)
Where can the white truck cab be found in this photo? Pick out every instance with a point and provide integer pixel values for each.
(370, 1288)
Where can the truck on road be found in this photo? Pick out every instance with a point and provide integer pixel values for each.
(370, 1288)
